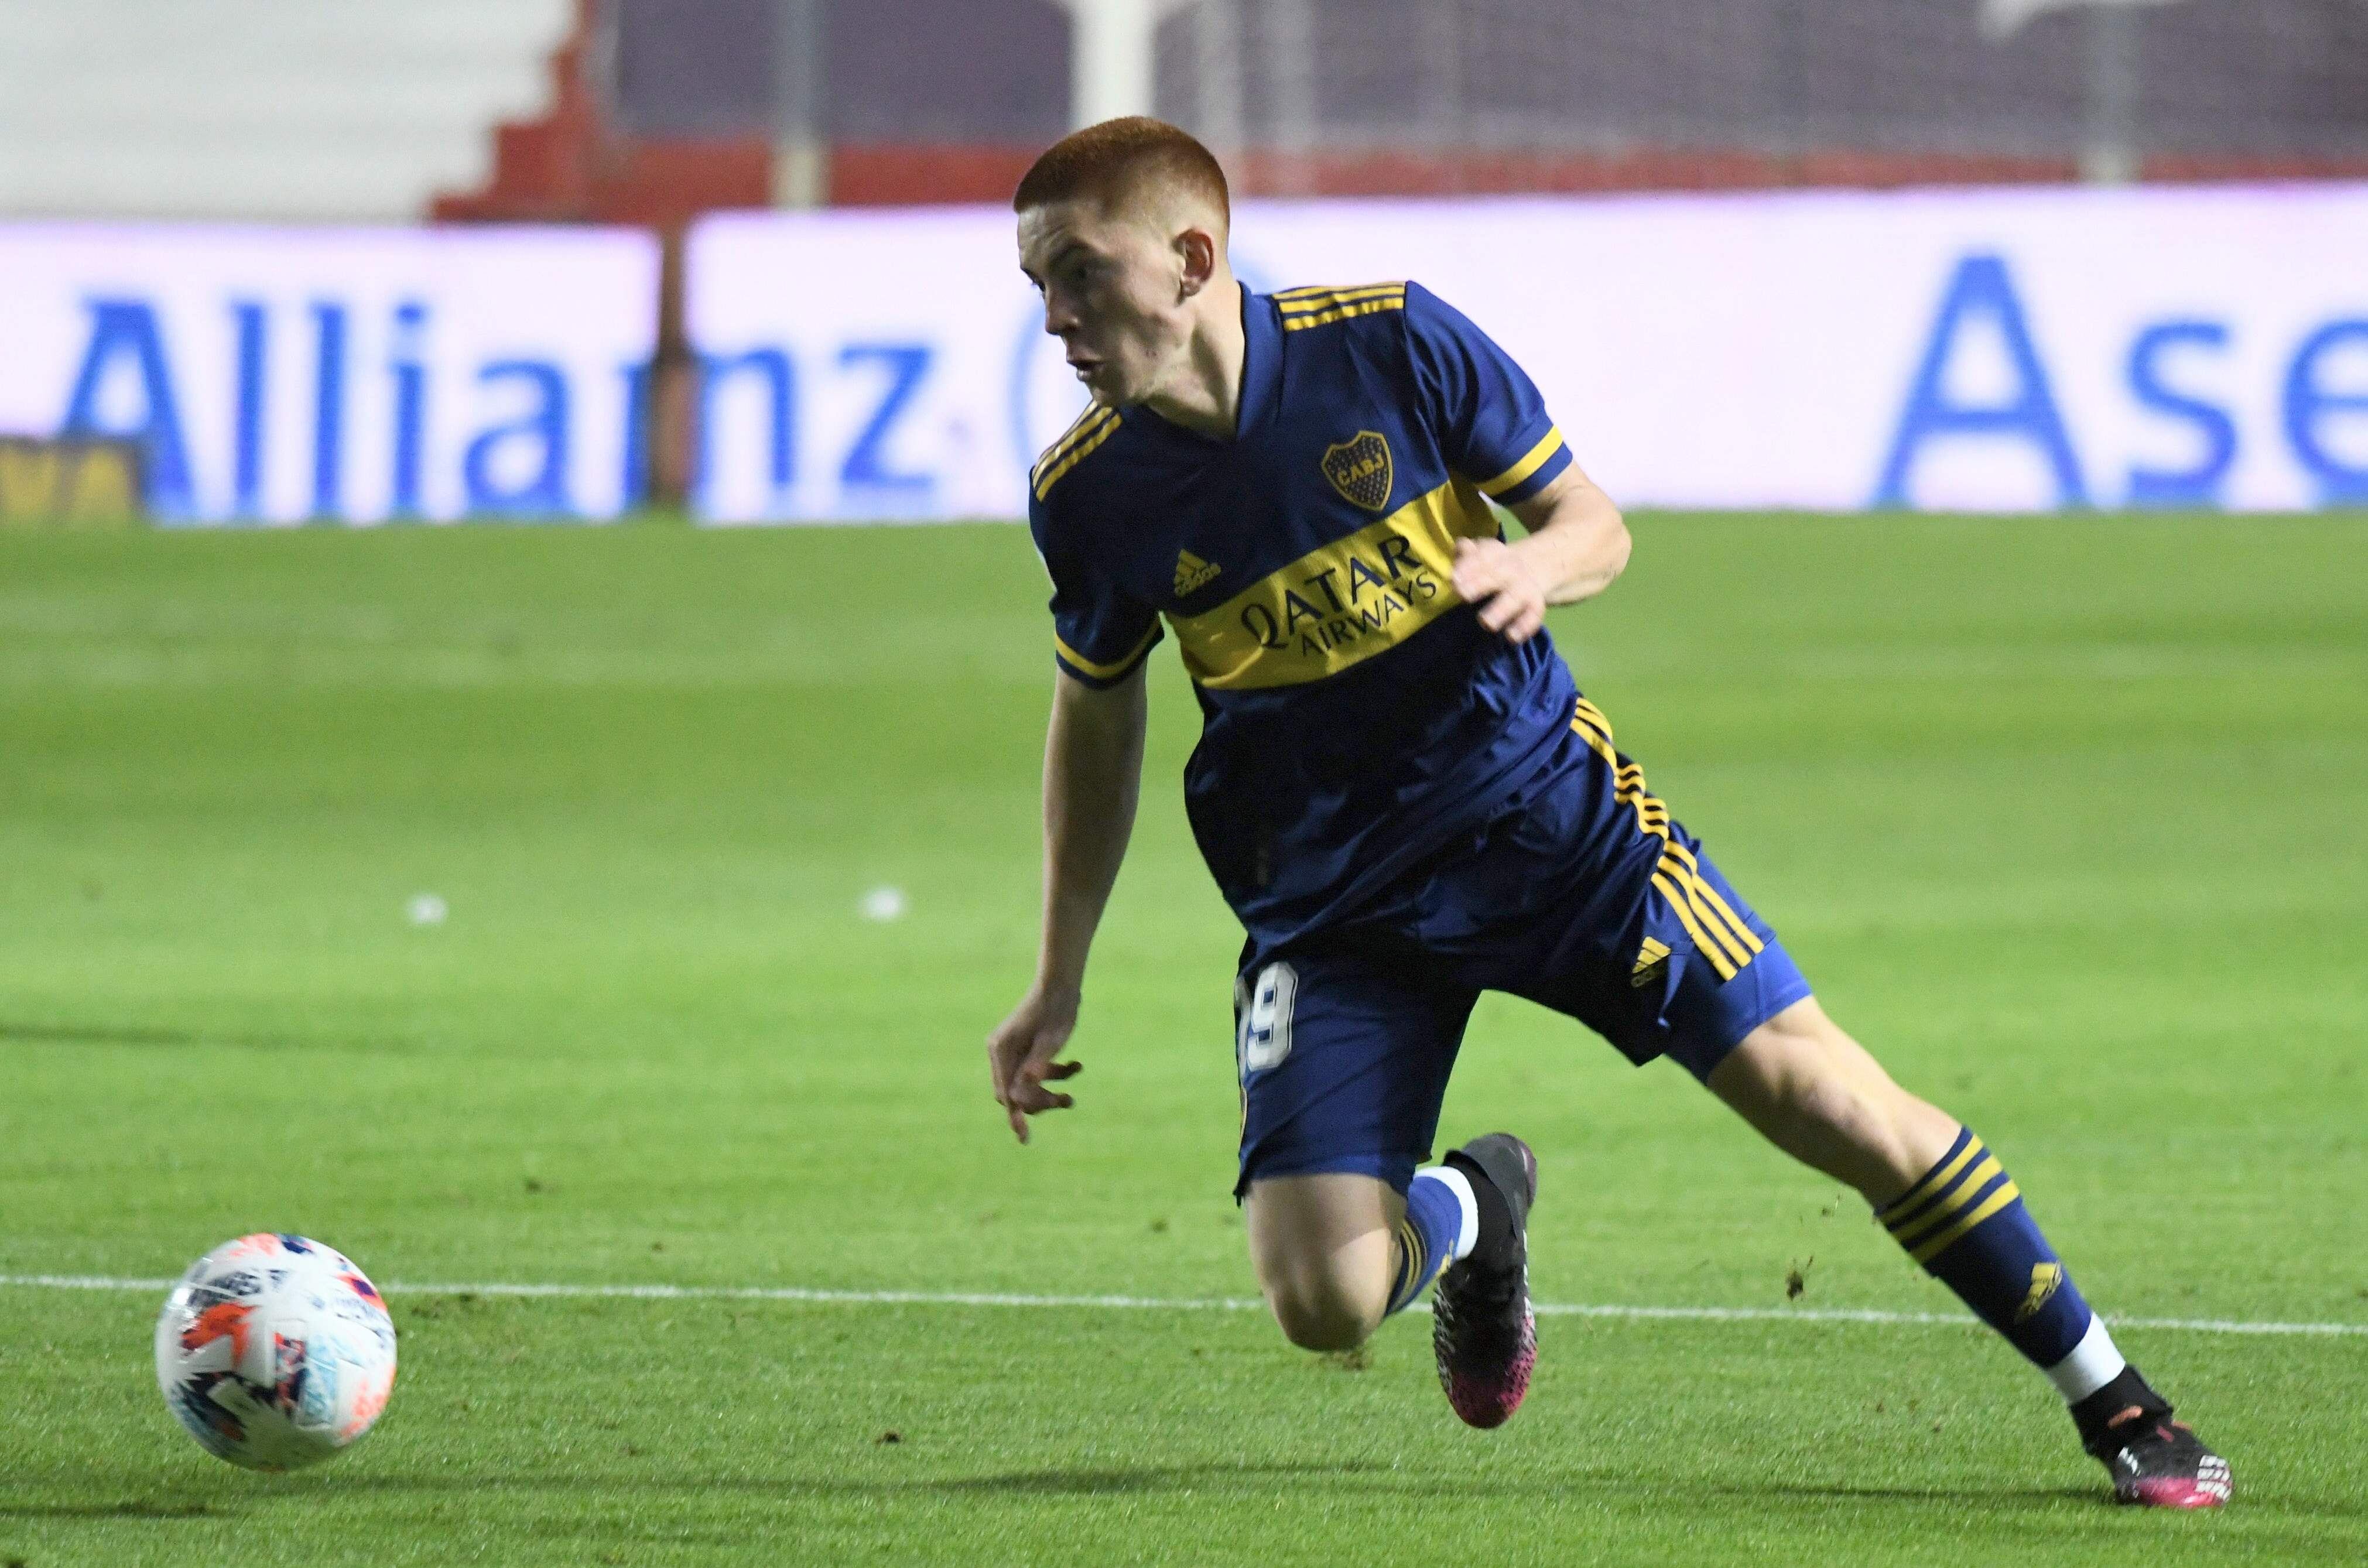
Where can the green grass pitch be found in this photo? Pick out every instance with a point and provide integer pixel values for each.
(2064, 816)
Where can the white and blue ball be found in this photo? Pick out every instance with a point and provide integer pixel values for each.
(275, 1352)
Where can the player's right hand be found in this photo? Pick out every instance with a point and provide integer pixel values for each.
(1020, 1055)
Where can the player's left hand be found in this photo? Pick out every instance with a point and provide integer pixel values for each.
(1492, 575)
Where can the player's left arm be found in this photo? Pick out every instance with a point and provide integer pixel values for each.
(1575, 545)
(1493, 429)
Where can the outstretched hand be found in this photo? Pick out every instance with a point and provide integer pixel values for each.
(1490, 574)
(1020, 1055)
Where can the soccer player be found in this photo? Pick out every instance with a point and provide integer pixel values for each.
(1405, 800)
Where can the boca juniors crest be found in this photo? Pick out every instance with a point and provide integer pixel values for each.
(1359, 469)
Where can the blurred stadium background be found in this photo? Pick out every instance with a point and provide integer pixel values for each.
(652, 113)
(649, 110)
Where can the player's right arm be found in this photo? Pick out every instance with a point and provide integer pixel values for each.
(1093, 776)
(1093, 770)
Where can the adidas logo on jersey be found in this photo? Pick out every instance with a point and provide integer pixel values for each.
(1652, 958)
(1192, 573)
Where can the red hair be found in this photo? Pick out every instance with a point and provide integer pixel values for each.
(1119, 157)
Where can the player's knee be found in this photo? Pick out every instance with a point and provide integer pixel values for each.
(1322, 1313)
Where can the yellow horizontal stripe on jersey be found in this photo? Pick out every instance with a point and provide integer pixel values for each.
(1082, 426)
(1079, 449)
(1940, 1243)
(1702, 944)
(1323, 297)
(1342, 312)
(1529, 464)
(1106, 672)
(1898, 1207)
(1338, 606)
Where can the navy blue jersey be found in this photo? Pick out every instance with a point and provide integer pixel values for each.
(1355, 714)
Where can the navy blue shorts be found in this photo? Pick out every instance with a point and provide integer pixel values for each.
(1582, 895)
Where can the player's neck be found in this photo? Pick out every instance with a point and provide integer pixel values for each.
(1206, 395)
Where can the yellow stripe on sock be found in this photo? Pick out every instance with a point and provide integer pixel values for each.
(1934, 1182)
(1410, 1264)
(1906, 1233)
(1940, 1243)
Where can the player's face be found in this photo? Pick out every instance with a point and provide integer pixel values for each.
(1112, 295)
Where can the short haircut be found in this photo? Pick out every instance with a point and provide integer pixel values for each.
(1115, 159)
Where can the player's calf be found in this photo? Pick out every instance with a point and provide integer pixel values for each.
(1951, 1205)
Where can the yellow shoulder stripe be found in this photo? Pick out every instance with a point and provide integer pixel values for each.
(1083, 426)
(1076, 452)
(1316, 295)
(1111, 671)
(1342, 312)
(1529, 464)
(1305, 308)
(1092, 411)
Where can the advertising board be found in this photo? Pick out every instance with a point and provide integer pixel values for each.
(354, 375)
(1998, 349)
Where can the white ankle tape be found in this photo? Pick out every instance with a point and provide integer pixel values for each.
(1467, 1206)
(2094, 1362)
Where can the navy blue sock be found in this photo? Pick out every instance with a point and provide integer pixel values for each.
(1966, 1223)
(1426, 1239)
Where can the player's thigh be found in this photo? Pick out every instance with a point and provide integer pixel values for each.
(1343, 1052)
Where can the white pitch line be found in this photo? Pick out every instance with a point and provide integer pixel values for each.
(1187, 1303)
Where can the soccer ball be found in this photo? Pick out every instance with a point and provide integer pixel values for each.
(276, 1352)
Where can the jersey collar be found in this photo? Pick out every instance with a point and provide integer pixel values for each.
(1261, 364)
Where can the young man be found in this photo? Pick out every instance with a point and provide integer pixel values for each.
(1407, 801)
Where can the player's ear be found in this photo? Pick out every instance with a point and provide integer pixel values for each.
(1196, 251)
